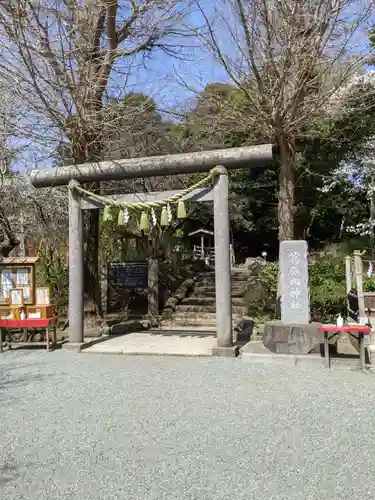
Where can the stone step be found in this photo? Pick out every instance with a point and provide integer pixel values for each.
(211, 281)
(194, 316)
(209, 325)
(208, 329)
(207, 309)
(201, 301)
(206, 293)
(168, 328)
(234, 272)
(211, 288)
(234, 284)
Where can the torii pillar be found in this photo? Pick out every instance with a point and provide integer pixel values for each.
(224, 347)
(76, 276)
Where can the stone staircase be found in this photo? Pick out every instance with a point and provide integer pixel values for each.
(198, 310)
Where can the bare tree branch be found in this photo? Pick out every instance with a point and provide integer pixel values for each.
(287, 59)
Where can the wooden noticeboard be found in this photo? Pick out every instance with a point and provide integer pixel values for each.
(17, 273)
(128, 275)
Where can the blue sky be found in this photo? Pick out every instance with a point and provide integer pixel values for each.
(170, 81)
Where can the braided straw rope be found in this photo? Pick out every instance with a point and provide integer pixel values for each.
(152, 204)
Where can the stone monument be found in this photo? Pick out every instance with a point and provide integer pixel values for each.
(294, 275)
(294, 334)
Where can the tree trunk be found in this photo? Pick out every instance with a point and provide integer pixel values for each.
(372, 217)
(8, 240)
(286, 202)
(92, 278)
(153, 252)
(286, 189)
(153, 288)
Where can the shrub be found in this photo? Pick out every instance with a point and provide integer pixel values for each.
(261, 297)
(52, 271)
(369, 284)
(327, 290)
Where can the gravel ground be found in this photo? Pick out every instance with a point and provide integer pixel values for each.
(90, 427)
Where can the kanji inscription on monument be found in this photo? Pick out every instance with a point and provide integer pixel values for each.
(295, 306)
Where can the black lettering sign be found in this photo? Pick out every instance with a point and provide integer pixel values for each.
(131, 274)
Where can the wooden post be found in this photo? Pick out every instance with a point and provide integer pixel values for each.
(358, 269)
(362, 353)
(104, 288)
(153, 288)
(326, 350)
(348, 274)
(22, 234)
(348, 278)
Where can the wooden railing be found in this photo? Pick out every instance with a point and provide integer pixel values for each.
(357, 297)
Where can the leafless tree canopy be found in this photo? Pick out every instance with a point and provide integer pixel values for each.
(36, 214)
(60, 60)
(287, 58)
(63, 56)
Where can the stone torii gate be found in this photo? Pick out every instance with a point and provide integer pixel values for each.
(222, 159)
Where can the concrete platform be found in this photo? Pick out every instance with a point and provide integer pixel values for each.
(155, 344)
(256, 352)
(193, 330)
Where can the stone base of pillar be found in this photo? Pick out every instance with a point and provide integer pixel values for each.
(80, 346)
(226, 352)
(73, 346)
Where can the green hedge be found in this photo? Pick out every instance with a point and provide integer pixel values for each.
(327, 290)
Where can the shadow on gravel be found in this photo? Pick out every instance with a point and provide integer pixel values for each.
(10, 472)
(15, 376)
(10, 378)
